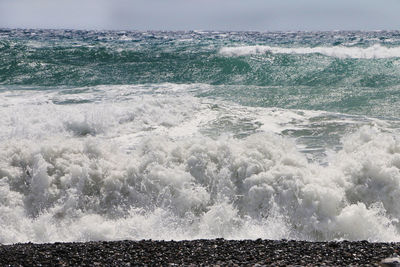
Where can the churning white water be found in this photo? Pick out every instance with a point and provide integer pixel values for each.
(374, 51)
(78, 166)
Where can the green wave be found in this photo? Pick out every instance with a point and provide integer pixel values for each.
(22, 64)
(260, 69)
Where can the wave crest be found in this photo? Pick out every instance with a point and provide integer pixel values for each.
(375, 51)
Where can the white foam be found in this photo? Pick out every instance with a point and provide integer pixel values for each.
(196, 187)
(168, 166)
(375, 51)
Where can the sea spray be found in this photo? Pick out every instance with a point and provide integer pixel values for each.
(186, 135)
(372, 52)
(201, 187)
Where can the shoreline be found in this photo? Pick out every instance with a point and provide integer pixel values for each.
(198, 252)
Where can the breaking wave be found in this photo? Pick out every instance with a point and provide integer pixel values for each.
(173, 168)
(260, 186)
(186, 135)
(375, 51)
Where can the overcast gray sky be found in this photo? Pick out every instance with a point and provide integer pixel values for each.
(258, 15)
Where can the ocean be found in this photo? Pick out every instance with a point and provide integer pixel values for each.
(115, 135)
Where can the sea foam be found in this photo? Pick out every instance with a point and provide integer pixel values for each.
(162, 167)
(260, 186)
(375, 51)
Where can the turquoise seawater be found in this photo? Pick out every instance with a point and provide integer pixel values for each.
(112, 135)
(355, 72)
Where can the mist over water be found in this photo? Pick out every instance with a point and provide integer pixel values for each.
(185, 135)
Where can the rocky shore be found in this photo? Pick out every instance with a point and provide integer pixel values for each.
(198, 252)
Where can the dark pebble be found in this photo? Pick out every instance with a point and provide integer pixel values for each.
(198, 252)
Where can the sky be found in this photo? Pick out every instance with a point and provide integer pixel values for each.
(241, 15)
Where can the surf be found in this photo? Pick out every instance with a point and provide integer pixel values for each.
(372, 52)
(163, 135)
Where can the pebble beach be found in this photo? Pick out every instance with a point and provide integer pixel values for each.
(198, 253)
